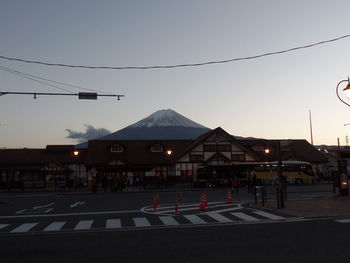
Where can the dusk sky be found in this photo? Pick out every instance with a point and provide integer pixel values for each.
(269, 97)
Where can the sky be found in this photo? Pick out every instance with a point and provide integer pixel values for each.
(269, 97)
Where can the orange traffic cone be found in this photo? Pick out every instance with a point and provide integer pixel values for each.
(176, 209)
(204, 198)
(155, 203)
(229, 197)
(204, 201)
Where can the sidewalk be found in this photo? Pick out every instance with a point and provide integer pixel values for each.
(316, 207)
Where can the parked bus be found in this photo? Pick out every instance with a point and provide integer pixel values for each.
(295, 172)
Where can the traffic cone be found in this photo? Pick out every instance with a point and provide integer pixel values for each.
(229, 197)
(155, 202)
(204, 198)
(180, 198)
(176, 209)
(204, 201)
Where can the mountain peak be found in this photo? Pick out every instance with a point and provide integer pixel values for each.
(166, 118)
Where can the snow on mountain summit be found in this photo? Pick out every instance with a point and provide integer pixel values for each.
(166, 118)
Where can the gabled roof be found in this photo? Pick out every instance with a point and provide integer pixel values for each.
(220, 156)
(220, 131)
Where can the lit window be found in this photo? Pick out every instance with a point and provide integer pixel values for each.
(116, 148)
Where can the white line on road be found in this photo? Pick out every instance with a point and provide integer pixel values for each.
(224, 210)
(71, 214)
(42, 206)
(220, 218)
(55, 226)
(20, 212)
(195, 219)
(76, 204)
(113, 223)
(268, 215)
(244, 216)
(141, 222)
(84, 224)
(24, 228)
(342, 221)
(168, 220)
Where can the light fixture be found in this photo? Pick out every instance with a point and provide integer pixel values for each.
(346, 91)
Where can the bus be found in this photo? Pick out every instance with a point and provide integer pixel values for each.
(294, 172)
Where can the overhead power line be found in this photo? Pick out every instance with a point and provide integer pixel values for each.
(177, 65)
(45, 80)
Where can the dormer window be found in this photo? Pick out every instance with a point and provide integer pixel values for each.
(156, 148)
(116, 148)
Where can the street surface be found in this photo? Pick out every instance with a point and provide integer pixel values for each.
(108, 227)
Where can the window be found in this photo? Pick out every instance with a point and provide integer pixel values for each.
(116, 148)
(196, 157)
(157, 148)
(238, 157)
(217, 147)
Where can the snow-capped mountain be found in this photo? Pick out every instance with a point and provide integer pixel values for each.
(166, 118)
(161, 125)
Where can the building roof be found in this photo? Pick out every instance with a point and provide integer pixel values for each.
(300, 150)
(135, 153)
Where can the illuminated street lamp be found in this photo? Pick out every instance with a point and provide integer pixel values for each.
(168, 152)
(76, 154)
(267, 151)
(346, 90)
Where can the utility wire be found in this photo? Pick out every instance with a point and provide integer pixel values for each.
(177, 65)
(37, 79)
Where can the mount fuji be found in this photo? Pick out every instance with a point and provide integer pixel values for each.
(161, 125)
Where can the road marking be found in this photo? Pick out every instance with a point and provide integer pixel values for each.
(24, 228)
(3, 226)
(342, 221)
(20, 212)
(219, 218)
(141, 222)
(223, 210)
(168, 220)
(84, 224)
(268, 215)
(113, 223)
(71, 214)
(244, 216)
(76, 204)
(42, 206)
(55, 226)
(195, 219)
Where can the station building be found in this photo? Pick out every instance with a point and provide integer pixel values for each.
(146, 162)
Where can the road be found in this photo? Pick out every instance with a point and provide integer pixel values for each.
(113, 227)
(308, 241)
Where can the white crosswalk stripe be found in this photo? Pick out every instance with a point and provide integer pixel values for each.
(220, 218)
(55, 226)
(244, 216)
(268, 215)
(24, 228)
(168, 220)
(195, 219)
(84, 225)
(113, 223)
(141, 222)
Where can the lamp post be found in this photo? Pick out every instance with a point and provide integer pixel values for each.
(76, 154)
(346, 90)
(169, 152)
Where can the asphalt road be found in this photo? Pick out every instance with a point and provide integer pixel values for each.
(307, 241)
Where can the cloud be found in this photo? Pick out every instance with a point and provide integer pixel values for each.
(89, 134)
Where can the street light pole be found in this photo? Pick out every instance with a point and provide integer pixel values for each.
(346, 90)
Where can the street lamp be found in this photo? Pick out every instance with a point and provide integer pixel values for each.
(168, 153)
(77, 166)
(346, 90)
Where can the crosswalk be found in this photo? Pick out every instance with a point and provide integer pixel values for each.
(141, 222)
